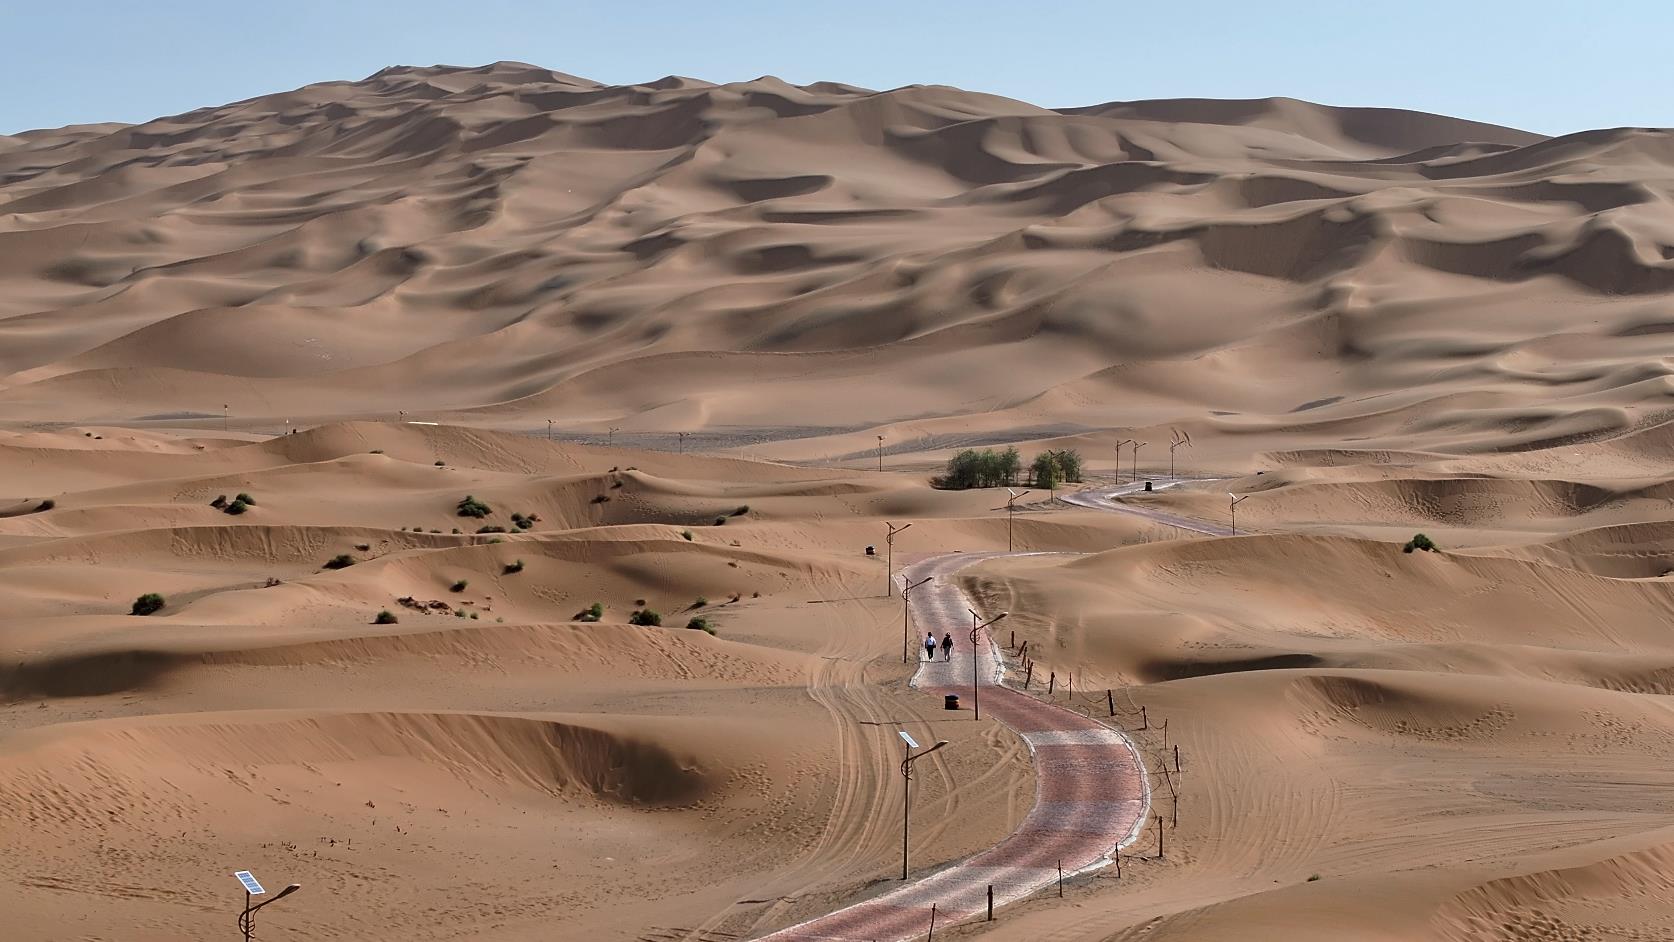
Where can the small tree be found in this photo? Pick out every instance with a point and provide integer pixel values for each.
(701, 623)
(148, 604)
(646, 618)
(1420, 542)
(471, 507)
(1045, 472)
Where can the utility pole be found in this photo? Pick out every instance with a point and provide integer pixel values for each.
(1125, 441)
(906, 632)
(1011, 509)
(1177, 439)
(1233, 507)
(907, 788)
(889, 557)
(976, 631)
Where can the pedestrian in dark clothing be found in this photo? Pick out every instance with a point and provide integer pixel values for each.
(947, 647)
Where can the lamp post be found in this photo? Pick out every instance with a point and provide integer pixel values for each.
(247, 919)
(1125, 441)
(907, 788)
(889, 558)
(1136, 447)
(906, 635)
(610, 435)
(1011, 508)
(549, 430)
(682, 443)
(1177, 439)
(976, 703)
(1233, 507)
(880, 452)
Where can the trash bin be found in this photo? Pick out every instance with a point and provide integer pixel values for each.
(1147, 485)
(950, 702)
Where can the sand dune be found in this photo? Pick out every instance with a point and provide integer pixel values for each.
(692, 345)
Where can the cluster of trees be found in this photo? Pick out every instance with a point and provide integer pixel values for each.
(990, 468)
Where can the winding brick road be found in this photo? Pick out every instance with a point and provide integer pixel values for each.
(1091, 792)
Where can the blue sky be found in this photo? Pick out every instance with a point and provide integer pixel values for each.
(1538, 64)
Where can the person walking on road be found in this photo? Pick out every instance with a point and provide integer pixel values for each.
(930, 646)
(947, 647)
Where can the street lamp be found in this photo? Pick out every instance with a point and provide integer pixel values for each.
(1125, 441)
(247, 919)
(906, 635)
(1011, 508)
(1233, 507)
(1136, 447)
(889, 557)
(549, 430)
(610, 436)
(1177, 438)
(907, 787)
(682, 443)
(880, 452)
(976, 704)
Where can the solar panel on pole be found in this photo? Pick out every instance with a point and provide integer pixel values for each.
(911, 744)
(250, 883)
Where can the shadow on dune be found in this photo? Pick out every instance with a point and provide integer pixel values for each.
(86, 675)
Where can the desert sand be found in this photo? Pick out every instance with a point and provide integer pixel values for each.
(705, 341)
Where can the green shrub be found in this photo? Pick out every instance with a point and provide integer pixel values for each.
(985, 468)
(441, 464)
(237, 507)
(471, 507)
(1045, 472)
(340, 561)
(246, 498)
(459, 586)
(742, 510)
(687, 534)
(1420, 542)
(700, 602)
(592, 612)
(601, 498)
(473, 616)
(385, 617)
(720, 521)
(495, 540)
(148, 603)
(219, 502)
(645, 617)
(491, 529)
(377, 451)
(457, 531)
(701, 624)
(418, 529)
(513, 567)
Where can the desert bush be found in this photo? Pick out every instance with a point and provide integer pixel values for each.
(459, 586)
(473, 616)
(385, 617)
(601, 498)
(471, 507)
(363, 547)
(742, 510)
(377, 451)
(700, 602)
(456, 531)
(246, 498)
(219, 502)
(491, 529)
(495, 540)
(645, 617)
(985, 468)
(148, 603)
(340, 561)
(721, 521)
(510, 568)
(1420, 542)
(237, 507)
(687, 534)
(441, 464)
(47, 504)
(701, 623)
(592, 612)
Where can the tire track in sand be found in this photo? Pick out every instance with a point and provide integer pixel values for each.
(1091, 791)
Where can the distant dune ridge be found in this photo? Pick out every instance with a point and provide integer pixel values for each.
(506, 243)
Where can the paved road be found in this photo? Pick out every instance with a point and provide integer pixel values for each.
(1104, 499)
(1091, 793)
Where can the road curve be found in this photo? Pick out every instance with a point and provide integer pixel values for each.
(1092, 795)
(1104, 498)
